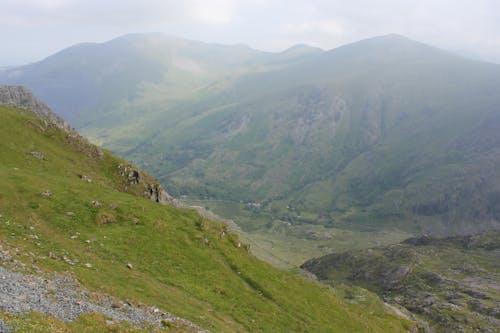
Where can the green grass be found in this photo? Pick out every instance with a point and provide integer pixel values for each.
(181, 262)
(89, 323)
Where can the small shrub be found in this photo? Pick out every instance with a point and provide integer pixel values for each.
(103, 218)
(166, 324)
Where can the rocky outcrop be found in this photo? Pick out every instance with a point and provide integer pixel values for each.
(158, 194)
(135, 180)
(452, 283)
(24, 98)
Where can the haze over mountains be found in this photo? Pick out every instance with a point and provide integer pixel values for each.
(386, 132)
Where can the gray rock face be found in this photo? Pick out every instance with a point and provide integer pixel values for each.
(158, 194)
(153, 190)
(24, 98)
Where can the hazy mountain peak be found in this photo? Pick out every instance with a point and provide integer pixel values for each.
(391, 48)
(391, 36)
(389, 40)
(302, 49)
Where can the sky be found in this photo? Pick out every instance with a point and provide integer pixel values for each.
(31, 30)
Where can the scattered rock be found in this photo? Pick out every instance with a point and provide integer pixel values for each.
(46, 193)
(85, 178)
(37, 155)
(71, 214)
(116, 305)
(130, 266)
(96, 203)
(88, 265)
(68, 261)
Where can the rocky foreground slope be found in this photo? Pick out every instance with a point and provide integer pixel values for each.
(62, 298)
(452, 283)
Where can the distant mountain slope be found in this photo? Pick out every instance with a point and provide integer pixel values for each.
(383, 132)
(89, 79)
(452, 282)
(71, 209)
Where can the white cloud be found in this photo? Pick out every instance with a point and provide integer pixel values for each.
(33, 28)
(212, 12)
(324, 27)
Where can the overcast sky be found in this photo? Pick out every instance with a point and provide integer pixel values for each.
(33, 29)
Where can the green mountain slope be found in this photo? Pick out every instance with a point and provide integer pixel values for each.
(65, 203)
(452, 283)
(382, 133)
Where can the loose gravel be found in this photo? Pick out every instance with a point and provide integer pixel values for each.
(63, 298)
(4, 328)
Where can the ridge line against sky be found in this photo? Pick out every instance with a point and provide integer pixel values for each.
(34, 29)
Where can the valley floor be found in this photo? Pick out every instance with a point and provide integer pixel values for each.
(287, 245)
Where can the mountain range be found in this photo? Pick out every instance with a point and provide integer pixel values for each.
(382, 133)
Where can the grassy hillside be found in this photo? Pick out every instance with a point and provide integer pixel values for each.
(451, 283)
(182, 263)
